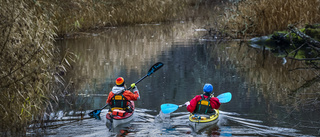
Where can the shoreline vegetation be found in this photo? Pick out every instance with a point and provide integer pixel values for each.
(32, 69)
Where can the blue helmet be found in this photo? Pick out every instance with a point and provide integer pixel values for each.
(207, 88)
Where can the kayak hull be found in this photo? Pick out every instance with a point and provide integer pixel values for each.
(201, 121)
(115, 121)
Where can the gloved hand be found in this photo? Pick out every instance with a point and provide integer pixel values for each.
(133, 85)
(137, 92)
(187, 103)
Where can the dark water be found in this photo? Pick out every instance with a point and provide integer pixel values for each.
(259, 107)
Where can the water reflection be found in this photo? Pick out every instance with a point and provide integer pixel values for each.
(260, 84)
(293, 88)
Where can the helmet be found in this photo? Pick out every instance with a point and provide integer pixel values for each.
(120, 81)
(207, 88)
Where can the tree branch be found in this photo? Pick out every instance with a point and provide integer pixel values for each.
(308, 39)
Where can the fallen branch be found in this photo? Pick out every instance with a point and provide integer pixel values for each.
(304, 59)
(308, 39)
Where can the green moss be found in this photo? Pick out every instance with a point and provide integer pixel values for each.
(284, 39)
(296, 37)
(300, 54)
(313, 33)
(268, 40)
(282, 32)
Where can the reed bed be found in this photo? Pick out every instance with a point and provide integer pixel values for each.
(32, 69)
(26, 58)
(79, 15)
(263, 17)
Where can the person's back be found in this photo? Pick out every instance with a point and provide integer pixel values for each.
(119, 97)
(205, 103)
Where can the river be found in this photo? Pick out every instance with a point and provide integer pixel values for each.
(257, 80)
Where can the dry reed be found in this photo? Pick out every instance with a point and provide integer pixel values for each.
(28, 77)
(31, 74)
(263, 17)
(78, 15)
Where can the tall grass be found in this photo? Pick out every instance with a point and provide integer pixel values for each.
(32, 70)
(77, 15)
(28, 78)
(26, 58)
(262, 17)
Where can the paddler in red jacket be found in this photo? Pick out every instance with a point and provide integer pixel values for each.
(200, 103)
(119, 97)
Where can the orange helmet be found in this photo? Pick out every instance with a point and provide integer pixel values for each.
(120, 81)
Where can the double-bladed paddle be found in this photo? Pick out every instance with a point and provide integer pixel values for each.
(169, 108)
(154, 68)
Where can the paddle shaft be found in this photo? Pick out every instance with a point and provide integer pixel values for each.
(138, 81)
(153, 69)
(104, 106)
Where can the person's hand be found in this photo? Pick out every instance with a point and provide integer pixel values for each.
(187, 103)
(137, 92)
(133, 85)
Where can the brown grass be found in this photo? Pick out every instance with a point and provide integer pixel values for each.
(263, 17)
(26, 58)
(28, 76)
(77, 15)
(32, 68)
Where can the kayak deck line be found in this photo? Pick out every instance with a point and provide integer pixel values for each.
(203, 118)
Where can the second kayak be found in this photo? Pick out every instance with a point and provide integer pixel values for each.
(200, 121)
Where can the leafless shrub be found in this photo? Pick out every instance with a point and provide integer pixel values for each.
(27, 55)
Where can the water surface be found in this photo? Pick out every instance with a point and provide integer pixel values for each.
(257, 80)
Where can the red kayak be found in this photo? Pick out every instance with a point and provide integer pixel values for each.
(118, 117)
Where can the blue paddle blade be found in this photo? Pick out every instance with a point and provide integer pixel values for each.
(225, 97)
(168, 108)
(154, 68)
(95, 114)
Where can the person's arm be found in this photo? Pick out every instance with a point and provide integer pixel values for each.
(215, 103)
(193, 104)
(109, 97)
(131, 96)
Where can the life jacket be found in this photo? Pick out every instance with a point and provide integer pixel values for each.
(204, 106)
(118, 101)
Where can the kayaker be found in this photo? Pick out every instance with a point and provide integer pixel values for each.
(199, 104)
(119, 97)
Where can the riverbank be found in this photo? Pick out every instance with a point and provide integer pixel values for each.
(251, 18)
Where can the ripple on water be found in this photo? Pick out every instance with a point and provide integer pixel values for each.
(174, 124)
